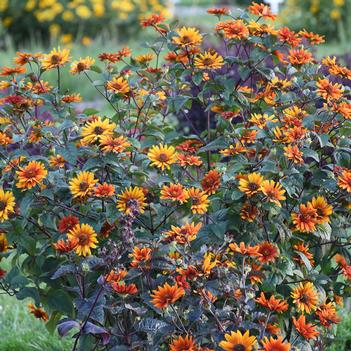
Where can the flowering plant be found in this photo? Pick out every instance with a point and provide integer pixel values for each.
(328, 17)
(68, 20)
(136, 237)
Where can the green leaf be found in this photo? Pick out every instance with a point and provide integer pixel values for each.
(59, 300)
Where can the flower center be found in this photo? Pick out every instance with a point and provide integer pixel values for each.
(81, 67)
(83, 186)
(163, 157)
(55, 59)
(83, 239)
(252, 186)
(98, 130)
(2, 205)
(30, 173)
(239, 347)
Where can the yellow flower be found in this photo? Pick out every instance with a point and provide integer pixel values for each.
(83, 184)
(94, 130)
(335, 14)
(83, 12)
(251, 183)
(162, 156)
(118, 85)
(83, 64)
(209, 60)
(86, 239)
(199, 200)
(132, 200)
(31, 175)
(188, 37)
(305, 297)
(7, 204)
(4, 245)
(238, 341)
(56, 58)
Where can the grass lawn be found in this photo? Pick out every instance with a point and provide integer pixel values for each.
(20, 331)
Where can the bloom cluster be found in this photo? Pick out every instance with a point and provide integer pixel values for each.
(139, 237)
(68, 20)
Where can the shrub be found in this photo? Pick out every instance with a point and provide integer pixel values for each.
(67, 20)
(134, 237)
(327, 17)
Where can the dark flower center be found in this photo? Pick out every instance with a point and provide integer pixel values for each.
(98, 130)
(81, 67)
(163, 157)
(83, 186)
(252, 186)
(2, 205)
(83, 239)
(55, 59)
(239, 347)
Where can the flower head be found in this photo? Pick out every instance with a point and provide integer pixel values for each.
(251, 184)
(86, 238)
(183, 344)
(209, 60)
(94, 130)
(273, 191)
(83, 184)
(306, 219)
(211, 182)
(199, 200)
(238, 341)
(132, 200)
(162, 156)
(38, 312)
(7, 204)
(166, 295)
(174, 192)
(31, 175)
(56, 58)
(82, 65)
(187, 37)
(118, 85)
(306, 330)
(305, 297)
(275, 344)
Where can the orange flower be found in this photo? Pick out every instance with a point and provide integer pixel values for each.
(209, 263)
(166, 295)
(174, 192)
(238, 341)
(306, 219)
(273, 191)
(300, 57)
(251, 184)
(67, 223)
(86, 237)
(31, 175)
(211, 182)
(323, 209)
(261, 10)
(305, 250)
(118, 85)
(191, 145)
(116, 145)
(344, 180)
(38, 312)
(152, 20)
(233, 149)
(273, 304)
(63, 246)
(327, 314)
(306, 330)
(116, 276)
(328, 90)
(275, 344)
(199, 200)
(305, 297)
(183, 234)
(269, 252)
(57, 161)
(245, 250)
(9, 71)
(104, 190)
(189, 160)
(81, 65)
(218, 11)
(183, 344)
(140, 255)
(123, 289)
(294, 154)
(286, 35)
(235, 29)
(312, 37)
(248, 212)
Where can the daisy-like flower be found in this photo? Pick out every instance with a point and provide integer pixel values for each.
(261, 10)
(300, 247)
(7, 204)
(104, 190)
(162, 156)
(31, 175)
(83, 184)
(324, 210)
(218, 11)
(183, 344)
(22, 58)
(209, 60)
(273, 191)
(116, 145)
(269, 252)
(233, 150)
(87, 239)
(199, 200)
(67, 223)
(95, 129)
(132, 200)
(83, 64)
(238, 341)
(57, 161)
(305, 297)
(188, 160)
(183, 234)
(327, 314)
(293, 153)
(300, 57)
(187, 37)
(306, 330)
(152, 20)
(174, 192)
(344, 180)
(234, 29)
(38, 312)
(72, 98)
(248, 212)
(140, 255)
(123, 289)
(166, 295)
(328, 90)
(273, 303)
(56, 58)
(275, 344)
(10, 71)
(306, 219)
(261, 120)
(144, 58)
(118, 85)
(64, 246)
(211, 182)
(251, 184)
(243, 249)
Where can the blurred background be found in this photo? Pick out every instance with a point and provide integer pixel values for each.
(89, 27)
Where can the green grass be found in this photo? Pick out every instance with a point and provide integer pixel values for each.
(20, 331)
